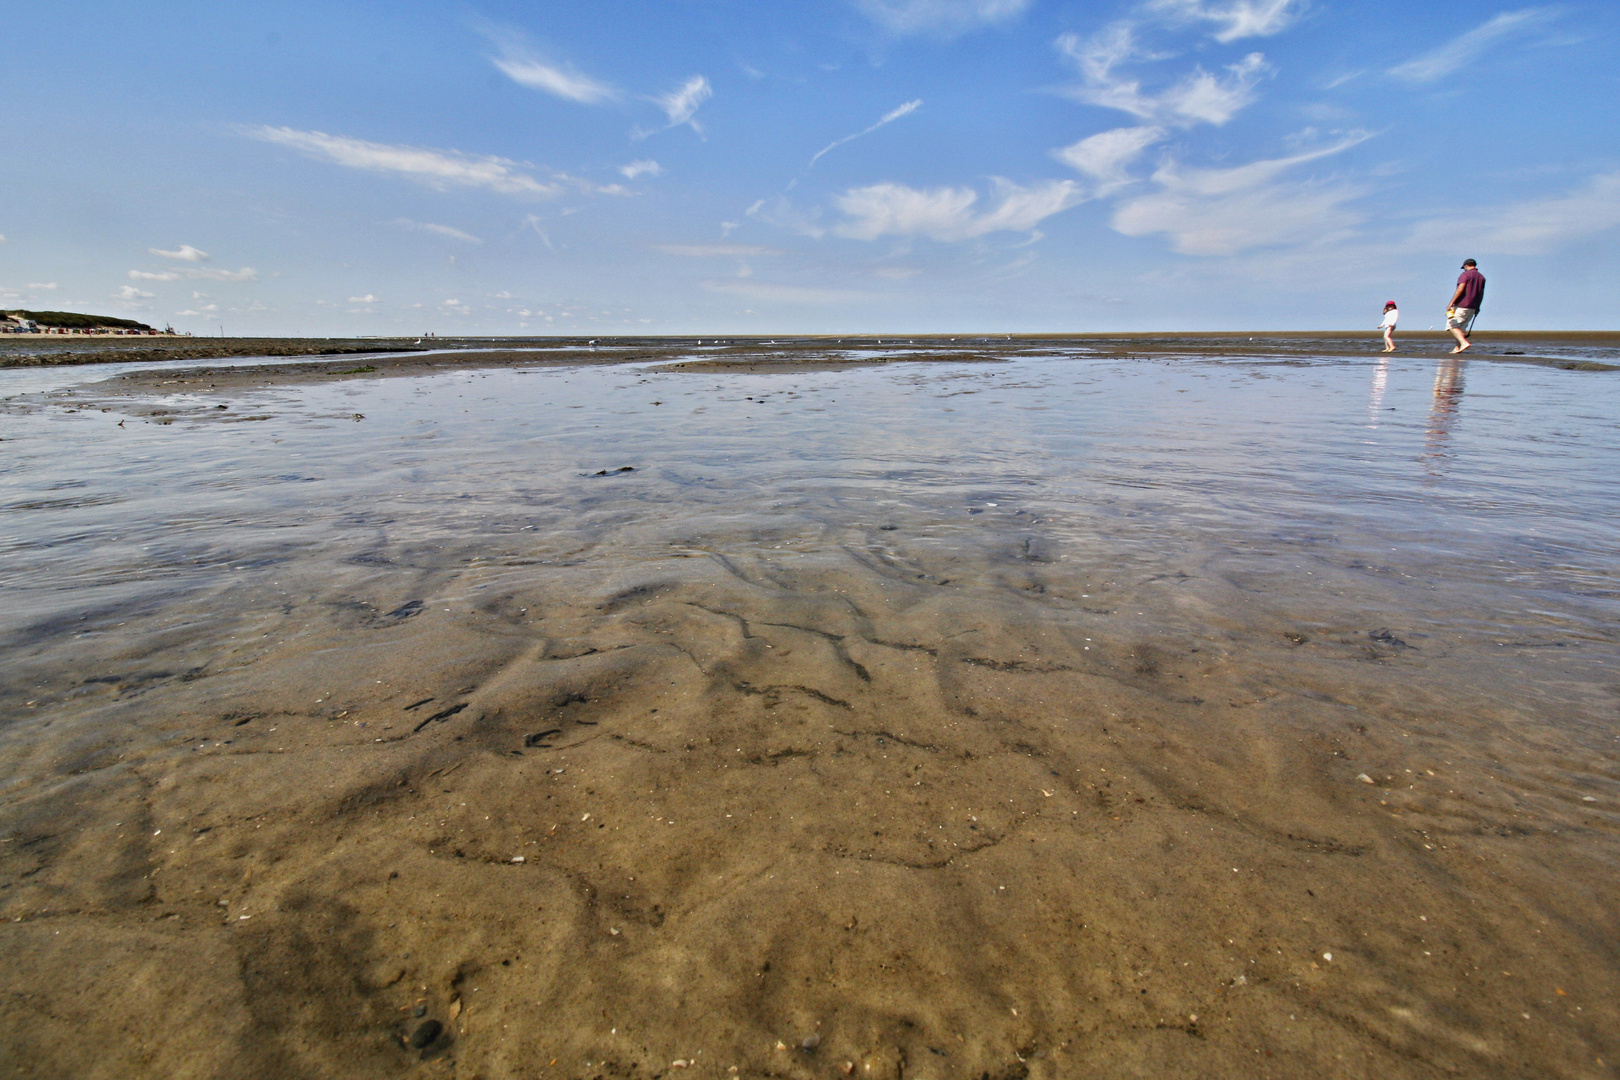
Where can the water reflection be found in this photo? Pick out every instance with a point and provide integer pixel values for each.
(1380, 383)
(1448, 392)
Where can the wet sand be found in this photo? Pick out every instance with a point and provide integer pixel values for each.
(1058, 712)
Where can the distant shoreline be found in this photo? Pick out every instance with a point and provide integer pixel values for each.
(1549, 348)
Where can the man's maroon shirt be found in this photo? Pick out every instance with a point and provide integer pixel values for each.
(1473, 283)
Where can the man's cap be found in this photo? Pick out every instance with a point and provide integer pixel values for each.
(1469, 262)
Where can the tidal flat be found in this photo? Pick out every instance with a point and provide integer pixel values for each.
(1153, 706)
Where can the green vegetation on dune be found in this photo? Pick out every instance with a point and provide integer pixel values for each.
(73, 320)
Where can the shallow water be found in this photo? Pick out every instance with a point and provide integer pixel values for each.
(1452, 498)
(1346, 629)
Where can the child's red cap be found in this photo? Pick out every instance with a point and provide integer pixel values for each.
(1390, 304)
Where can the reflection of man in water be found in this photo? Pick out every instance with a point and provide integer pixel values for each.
(1465, 302)
(1448, 390)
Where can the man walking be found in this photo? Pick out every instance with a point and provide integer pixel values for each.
(1465, 302)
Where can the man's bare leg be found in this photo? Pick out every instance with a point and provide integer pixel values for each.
(1462, 340)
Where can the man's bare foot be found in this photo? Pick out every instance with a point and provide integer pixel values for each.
(1462, 348)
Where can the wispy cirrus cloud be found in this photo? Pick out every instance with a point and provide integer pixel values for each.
(1465, 48)
(185, 253)
(682, 103)
(644, 167)
(888, 118)
(1199, 97)
(1531, 227)
(950, 213)
(247, 273)
(437, 169)
(1226, 211)
(1105, 156)
(1236, 18)
(446, 231)
(939, 18)
(208, 273)
(519, 61)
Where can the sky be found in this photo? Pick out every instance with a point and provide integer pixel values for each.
(808, 166)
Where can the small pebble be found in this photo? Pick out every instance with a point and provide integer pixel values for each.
(811, 1041)
(1365, 779)
(425, 1033)
(1328, 957)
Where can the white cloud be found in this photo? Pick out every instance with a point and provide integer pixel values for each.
(1105, 156)
(519, 62)
(366, 299)
(792, 294)
(437, 230)
(565, 84)
(948, 213)
(43, 286)
(590, 188)
(682, 103)
(1198, 98)
(553, 80)
(888, 118)
(1533, 227)
(1224, 211)
(939, 18)
(247, 273)
(3, 239)
(1202, 96)
(438, 169)
(644, 167)
(1459, 51)
(781, 213)
(130, 292)
(186, 253)
(1237, 18)
(713, 251)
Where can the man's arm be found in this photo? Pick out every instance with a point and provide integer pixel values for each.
(1456, 296)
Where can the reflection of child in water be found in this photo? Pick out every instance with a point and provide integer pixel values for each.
(1392, 315)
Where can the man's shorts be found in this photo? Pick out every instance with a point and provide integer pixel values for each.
(1462, 318)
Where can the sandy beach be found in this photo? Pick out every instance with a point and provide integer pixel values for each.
(1141, 706)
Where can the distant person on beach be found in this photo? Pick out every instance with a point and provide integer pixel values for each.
(1465, 302)
(1392, 315)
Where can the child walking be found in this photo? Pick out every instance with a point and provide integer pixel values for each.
(1392, 315)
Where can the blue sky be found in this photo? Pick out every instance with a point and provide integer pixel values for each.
(715, 166)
